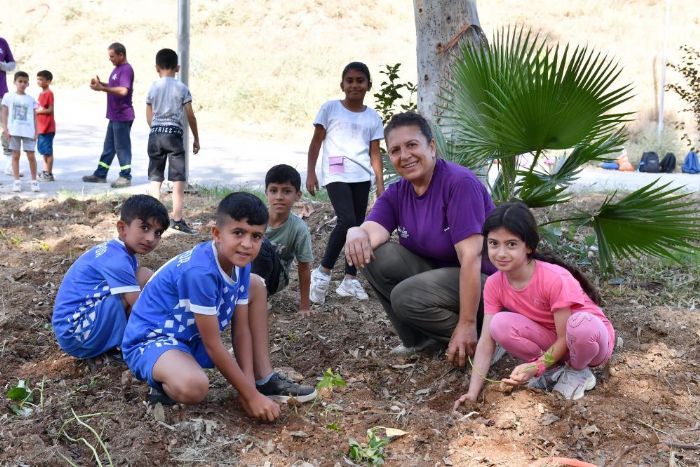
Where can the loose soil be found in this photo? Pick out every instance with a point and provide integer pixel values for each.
(644, 411)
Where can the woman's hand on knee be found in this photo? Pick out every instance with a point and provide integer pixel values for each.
(358, 250)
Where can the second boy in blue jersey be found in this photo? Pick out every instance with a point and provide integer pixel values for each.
(175, 328)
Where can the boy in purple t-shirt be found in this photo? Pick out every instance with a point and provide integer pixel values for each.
(120, 113)
(7, 63)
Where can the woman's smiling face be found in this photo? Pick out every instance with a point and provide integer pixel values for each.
(411, 154)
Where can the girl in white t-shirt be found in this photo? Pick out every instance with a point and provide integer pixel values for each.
(349, 133)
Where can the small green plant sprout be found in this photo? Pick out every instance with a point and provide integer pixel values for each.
(334, 426)
(22, 398)
(43, 246)
(331, 380)
(373, 452)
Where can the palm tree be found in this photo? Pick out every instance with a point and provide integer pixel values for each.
(520, 99)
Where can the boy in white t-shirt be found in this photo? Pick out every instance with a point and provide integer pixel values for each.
(19, 126)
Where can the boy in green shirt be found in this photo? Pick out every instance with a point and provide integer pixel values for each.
(286, 238)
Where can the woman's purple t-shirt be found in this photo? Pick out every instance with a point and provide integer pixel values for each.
(453, 208)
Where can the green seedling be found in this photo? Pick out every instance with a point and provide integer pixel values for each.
(335, 426)
(331, 380)
(372, 453)
(21, 398)
(16, 241)
(482, 376)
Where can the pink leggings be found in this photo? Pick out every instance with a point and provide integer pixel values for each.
(587, 338)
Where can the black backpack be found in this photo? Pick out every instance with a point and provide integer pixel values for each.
(268, 265)
(649, 162)
(668, 163)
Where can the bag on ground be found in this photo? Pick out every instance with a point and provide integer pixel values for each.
(268, 265)
(668, 163)
(691, 164)
(649, 162)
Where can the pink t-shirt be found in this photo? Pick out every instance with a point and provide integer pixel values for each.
(551, 288)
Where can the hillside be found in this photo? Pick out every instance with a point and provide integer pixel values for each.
(266, 66)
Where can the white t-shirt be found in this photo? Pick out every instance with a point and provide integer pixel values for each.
(346, 146)
(167, 97)
(20, 114)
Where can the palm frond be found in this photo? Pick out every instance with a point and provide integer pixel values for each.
(519, 95)
(656, 220)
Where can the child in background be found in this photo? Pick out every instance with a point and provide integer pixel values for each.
(175, 328)
(46, 125)
(349, 132)
(286, 238)
(166, 101)
(19, 124)
(539, 310)
(98, 291)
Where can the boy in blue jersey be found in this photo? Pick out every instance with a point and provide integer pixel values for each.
(175, 328)
(99, 289)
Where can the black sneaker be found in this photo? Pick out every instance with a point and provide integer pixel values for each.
(181, 226)
(121, 182)
(94, 179)
(281, 389)
(46, 177)
(156, 396)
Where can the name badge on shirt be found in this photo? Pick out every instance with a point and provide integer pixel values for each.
(336, 165)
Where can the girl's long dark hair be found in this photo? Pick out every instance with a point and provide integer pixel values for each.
(518, 219)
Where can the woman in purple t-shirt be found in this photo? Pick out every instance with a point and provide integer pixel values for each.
(430, 281)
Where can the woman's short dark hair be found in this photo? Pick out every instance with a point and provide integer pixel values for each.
(358, 66)
(144, 207)
(242, 206)
(409, 119)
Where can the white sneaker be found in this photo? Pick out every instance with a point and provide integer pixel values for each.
(573, 383)
(35, 186)
(17, 186)
(546, 380)
(351, 288)
(319, 286)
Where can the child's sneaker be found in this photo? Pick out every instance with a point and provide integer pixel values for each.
(46, 177)
(157, 396)
(573, 383)
(351, 288)
(35, 186)
(546, 380)
(319, 286)
(281, 389)
(181, 226)
(17, 186)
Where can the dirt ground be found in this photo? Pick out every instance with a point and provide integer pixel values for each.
(645, 409)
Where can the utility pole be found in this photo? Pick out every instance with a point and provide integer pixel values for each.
(183, 52)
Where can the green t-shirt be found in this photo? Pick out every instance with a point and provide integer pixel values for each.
(292, 240)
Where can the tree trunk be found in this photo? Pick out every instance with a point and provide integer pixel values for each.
(441, 26)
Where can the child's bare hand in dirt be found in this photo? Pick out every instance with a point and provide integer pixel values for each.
(261, 407)
(305, 312)
(468, 400)
(521, 374)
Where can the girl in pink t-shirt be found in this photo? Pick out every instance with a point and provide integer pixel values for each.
(539, 310)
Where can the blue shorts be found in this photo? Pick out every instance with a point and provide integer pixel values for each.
(44, 144)
(100, 329)
(142, 357)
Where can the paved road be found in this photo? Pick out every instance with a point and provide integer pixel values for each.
(224, 160)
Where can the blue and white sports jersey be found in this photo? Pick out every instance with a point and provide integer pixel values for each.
(105, 269)
(192, 282)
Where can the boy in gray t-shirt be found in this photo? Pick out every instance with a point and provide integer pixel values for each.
(167, 101)
(287, 237)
